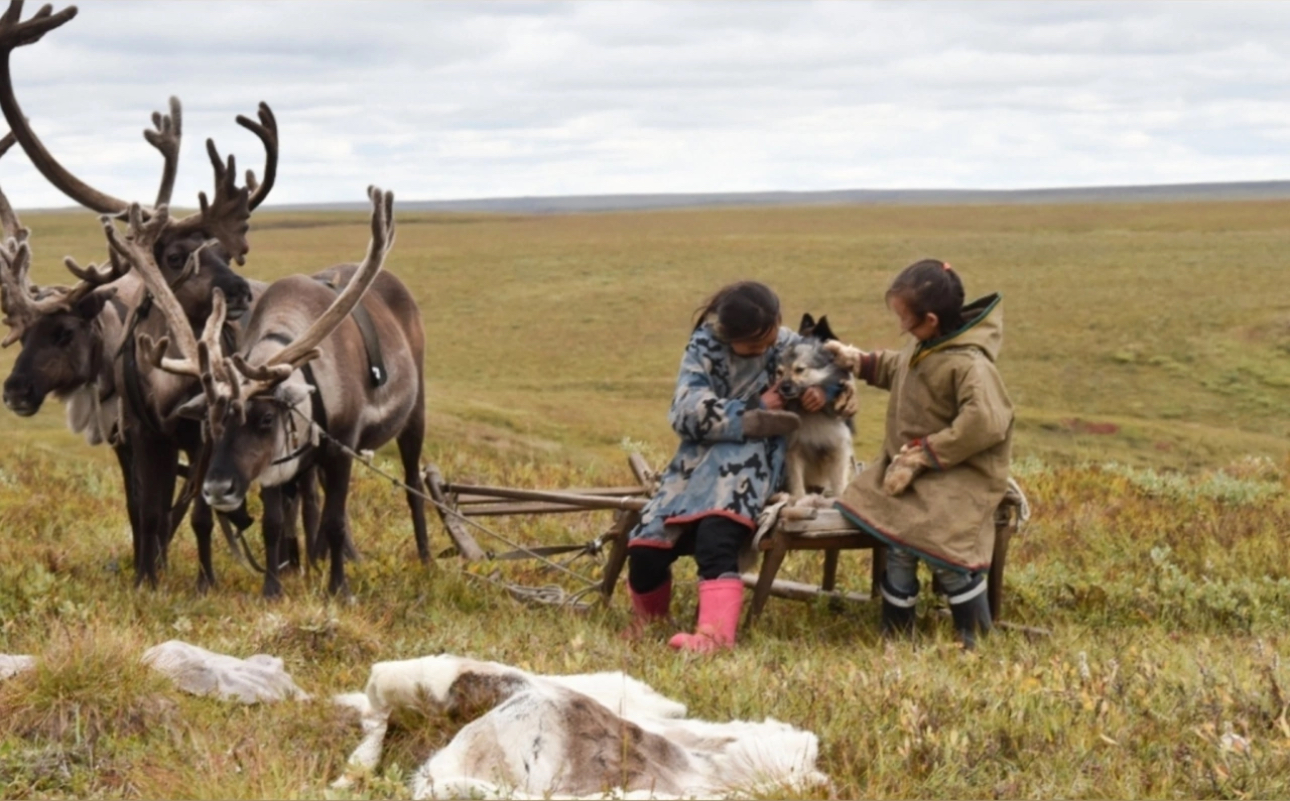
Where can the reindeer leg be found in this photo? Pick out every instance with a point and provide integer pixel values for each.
(155, 464)
(336, 469)
(290, 523)
(203, 522)
(123, 459)
(309, 515)
(410, 450)
(272, 525)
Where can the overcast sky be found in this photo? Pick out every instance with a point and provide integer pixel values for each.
(498, 99)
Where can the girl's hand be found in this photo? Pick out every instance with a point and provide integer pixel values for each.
(844, 356)
(907, 465)
(771, 399)
(813, 399)
(846, 404)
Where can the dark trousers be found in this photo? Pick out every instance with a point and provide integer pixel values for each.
(713, 541)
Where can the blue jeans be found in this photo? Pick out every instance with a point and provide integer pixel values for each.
(902, 574)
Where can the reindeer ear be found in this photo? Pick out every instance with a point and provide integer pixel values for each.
(822, 331)
(807, 325)
(194, 409)
(89, 306)
(292, 394)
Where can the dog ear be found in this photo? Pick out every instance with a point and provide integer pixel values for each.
(822, 331)
(807, 326)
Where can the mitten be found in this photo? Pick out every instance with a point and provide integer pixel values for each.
(908, 464)
(844, 356)
(760, 423)
(846, 403)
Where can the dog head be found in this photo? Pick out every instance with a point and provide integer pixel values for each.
(808, 364)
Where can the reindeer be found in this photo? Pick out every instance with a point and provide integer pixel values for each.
(303, 371)
(193, 255)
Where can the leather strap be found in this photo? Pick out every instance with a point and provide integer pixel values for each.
(376, 372)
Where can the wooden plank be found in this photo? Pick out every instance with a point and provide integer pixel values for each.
(467, 499)
(640, 469)
(799, 591)
(634, 503)
(466, 545)
(845, 540)
(623, 526)
(503, 508)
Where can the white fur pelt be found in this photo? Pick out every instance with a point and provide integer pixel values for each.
(11, 665)
(252, 680)
(583, 736)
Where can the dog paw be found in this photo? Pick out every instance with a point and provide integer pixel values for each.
(814, 501)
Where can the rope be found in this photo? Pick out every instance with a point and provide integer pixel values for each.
(550, 594)
(590, 548)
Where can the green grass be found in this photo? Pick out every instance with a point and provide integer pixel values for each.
(1147, 349)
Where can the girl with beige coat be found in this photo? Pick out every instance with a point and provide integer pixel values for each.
(943, 470)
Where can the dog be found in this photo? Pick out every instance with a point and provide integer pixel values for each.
(820, 452)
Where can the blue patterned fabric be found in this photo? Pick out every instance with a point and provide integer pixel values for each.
(715, 470)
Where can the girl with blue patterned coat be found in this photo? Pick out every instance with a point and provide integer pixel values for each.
(732, 425)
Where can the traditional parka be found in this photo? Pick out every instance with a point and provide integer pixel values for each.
(715, 470)
(947, 396)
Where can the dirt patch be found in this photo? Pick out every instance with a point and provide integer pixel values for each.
(1078, 426)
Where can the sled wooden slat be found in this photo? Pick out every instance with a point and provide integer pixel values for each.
(458, 500)
(576, 502)
(810, 529)
(801, 591)
(472, 499)
(506, 508)
(466, 545)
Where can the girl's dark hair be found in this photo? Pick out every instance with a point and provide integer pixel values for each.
(931, 287)
(742, 310)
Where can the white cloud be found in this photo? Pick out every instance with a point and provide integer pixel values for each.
(450, 100)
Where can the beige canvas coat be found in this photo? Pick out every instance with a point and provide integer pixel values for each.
(947, 395)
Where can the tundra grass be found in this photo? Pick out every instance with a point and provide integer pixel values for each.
(1145, 348)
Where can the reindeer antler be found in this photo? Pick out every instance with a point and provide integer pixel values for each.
(305, 347)
(14, 33)
(267, 130)
(224, 217)
(135, 248)
(21, 301)
(165, 135)
(8, 217)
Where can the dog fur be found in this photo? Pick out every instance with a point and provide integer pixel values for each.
(820, 453)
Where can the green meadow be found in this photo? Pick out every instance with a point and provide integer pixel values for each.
(1147, 350)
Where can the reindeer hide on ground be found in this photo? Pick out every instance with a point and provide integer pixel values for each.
(573, 736)
(195, 670)
(13, 665)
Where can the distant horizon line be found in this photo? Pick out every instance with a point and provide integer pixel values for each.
(625, 201)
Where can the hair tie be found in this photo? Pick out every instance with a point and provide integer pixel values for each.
(947, 266)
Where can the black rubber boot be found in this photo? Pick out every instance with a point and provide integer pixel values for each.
(971, 610)
(898, 610)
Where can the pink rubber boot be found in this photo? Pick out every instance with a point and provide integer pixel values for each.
(646, 608)
(719, 603)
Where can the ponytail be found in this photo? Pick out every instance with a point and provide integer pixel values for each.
(931, 286)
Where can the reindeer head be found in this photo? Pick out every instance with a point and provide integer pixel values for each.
(249, 409)
(218, 231)
(60, 347)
